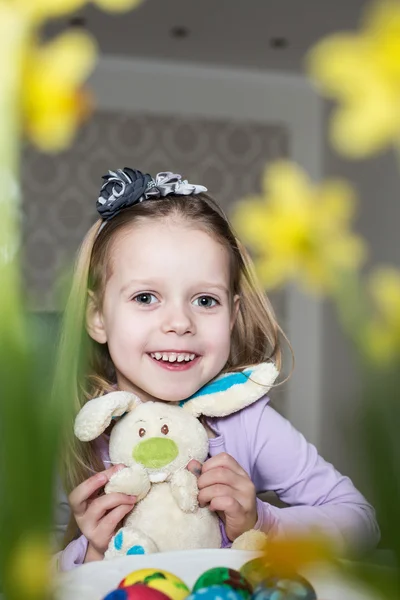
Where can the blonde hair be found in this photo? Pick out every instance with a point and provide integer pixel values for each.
(255, 337)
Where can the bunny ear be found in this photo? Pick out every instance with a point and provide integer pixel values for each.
(232, 391)
(95, 416)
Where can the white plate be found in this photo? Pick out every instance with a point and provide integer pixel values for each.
(95, 580)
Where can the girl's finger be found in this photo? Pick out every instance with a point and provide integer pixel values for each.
(109, 523)
(194, 466)
(230, 506)
(224, 476)
(207, 494)
(99, 507)
(223, 460)
(81, 494)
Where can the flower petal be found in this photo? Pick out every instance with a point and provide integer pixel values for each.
(69, 59)
(384, 286)
(53, 103)
(337, 64)
(118, 5)
(41, 9)
(361, 129)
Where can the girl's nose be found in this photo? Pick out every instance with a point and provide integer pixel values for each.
(178, 320)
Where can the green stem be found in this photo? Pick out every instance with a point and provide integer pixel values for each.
(13, 33)
(353, 311)
(25, 501)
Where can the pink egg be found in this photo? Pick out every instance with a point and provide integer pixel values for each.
(136, 592)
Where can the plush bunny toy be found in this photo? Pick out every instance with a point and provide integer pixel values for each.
(156, 441)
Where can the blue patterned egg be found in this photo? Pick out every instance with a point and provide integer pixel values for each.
(215, 592)
(278, 588)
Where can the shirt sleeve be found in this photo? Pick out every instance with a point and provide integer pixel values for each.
(318, 495)
(72, 556)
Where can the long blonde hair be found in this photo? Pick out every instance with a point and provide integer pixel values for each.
(255, 336)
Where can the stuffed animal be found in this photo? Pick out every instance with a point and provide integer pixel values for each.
(156, 441)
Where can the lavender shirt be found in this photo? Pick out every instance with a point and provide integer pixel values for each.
(277, 457)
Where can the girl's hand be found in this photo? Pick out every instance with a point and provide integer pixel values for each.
(229, 491)
(98, 515)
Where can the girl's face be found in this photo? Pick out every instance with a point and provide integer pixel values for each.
(167, 311)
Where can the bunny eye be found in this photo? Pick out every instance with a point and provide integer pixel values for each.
(164, 429)
(142, 432)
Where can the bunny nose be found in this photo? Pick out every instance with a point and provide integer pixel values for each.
(155, 452)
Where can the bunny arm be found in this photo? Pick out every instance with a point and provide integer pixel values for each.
(131, 480)
(184, 489)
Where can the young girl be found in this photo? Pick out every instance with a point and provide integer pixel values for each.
(166, 294)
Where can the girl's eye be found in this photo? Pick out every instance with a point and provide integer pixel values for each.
(206, 302)
(142, 432)
(145, 298)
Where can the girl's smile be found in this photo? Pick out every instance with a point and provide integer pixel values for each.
(175, 361)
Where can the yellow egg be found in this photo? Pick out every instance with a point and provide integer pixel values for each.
(163, 581)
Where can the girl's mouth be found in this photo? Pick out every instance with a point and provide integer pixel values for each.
(174, 361)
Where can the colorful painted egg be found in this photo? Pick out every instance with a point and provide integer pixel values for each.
(137, 591)
(216, 592)
(278, 588)
(165, 582)
(255, 571)
(222, 576)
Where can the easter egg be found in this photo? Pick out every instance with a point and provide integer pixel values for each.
(136, 592)
(165, 582)
(215, 592)
(255, 571)
(279, 588)
(222, 576)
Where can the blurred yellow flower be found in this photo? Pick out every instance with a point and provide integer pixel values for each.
(30, 568)
(42, 9)
(298, 230)
(288, 556)
(362, 72)
(382, 333)
(53, 103)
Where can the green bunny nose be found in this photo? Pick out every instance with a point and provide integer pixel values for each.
(155, 452)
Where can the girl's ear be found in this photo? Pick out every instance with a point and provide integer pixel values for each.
(235, 310)
(94, 320)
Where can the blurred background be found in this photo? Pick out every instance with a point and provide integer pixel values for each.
(214, 89)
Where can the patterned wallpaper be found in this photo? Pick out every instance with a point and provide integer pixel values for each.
(59, 191)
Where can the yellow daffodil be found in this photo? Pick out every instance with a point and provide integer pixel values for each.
(53, 103)
(362, 72)
(299, 231)
(42, 9)
(287, 556)
(382, 335)
(30, 568)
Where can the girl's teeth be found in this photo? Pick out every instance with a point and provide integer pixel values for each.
(173, 357)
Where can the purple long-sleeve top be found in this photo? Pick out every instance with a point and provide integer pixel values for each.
(278, 458)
